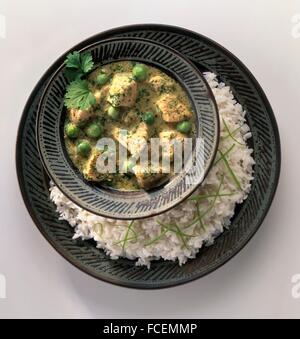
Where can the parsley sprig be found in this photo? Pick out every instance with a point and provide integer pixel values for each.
(79, 96)
(78, 65)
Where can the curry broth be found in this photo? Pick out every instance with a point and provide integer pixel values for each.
(158, 95)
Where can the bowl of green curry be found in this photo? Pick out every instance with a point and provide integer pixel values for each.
(110, 116)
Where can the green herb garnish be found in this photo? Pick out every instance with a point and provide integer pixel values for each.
(156, 239)
(225, 153)
(77, 65)
(165, 228)
(231, 134)
(230, 170)
(210, 206)
(217, 195)
(170, 228)
(126, 237)
(200, 216)
(79, 96)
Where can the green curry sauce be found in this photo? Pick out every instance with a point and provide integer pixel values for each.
(138, 98)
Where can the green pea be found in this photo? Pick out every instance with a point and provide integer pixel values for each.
(94, 130)
(184, 127)
(140, 72)
(72, 131)
(102, 79)
(84, 148)
(113, 113)
(148, 117)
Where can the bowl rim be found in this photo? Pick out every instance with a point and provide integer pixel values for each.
(19, 167)
(210, 96)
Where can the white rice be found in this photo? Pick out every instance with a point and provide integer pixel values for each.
(216, 213)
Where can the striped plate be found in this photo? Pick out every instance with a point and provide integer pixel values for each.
(114, 203)
(206, 55)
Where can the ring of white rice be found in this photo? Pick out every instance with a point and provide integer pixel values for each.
(179, 233)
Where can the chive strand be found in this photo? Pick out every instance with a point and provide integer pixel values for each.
(230, 133)
(226, 153)
(235, 179)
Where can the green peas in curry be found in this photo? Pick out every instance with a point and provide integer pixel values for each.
(138, 98)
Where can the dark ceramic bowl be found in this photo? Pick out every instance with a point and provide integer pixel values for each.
(103, 200)
(207, 55)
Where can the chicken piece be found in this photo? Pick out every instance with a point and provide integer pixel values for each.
(171, 134)
(120, 135)
(134, 140)
(168, 138)
(79, 116)
(90, 171)
(123, 90)
(131, 118)
(137, 140)
(172, 109)
(147, 179)
(157, 82)
(140, 132)
(101, 94)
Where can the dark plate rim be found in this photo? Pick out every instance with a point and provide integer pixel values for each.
(194, 35)
(210, 96)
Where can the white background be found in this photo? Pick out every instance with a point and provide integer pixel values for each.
(257, 282)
